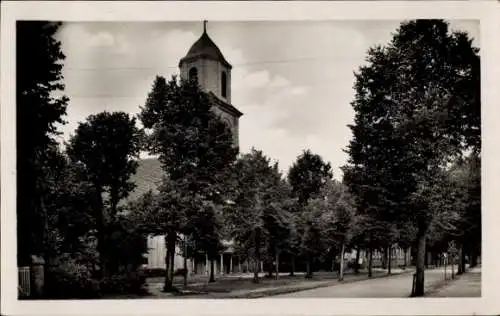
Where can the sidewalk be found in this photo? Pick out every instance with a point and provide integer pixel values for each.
(465, 285)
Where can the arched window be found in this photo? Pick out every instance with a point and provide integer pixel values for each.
(193, 74)
(223, 83)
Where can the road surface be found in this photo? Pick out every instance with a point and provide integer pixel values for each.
(398, 286)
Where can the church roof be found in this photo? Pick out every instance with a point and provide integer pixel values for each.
(224, 105)
(205, 48)
(148, 176)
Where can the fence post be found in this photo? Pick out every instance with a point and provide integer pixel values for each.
(38, 270)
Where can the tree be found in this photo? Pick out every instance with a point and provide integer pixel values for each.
(195, 148)
(69, 204)
(417, 107)
(40, 108)
(338, 218)
(106, 147)
(307, 176)
(208, 232)
(278, 219)
(254, 202)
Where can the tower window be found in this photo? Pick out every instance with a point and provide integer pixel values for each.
(193, 74)
(223, 81)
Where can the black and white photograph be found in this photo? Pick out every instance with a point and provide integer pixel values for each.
(210, 159)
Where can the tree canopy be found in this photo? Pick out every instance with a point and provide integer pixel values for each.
(40, 108)
(417, 108)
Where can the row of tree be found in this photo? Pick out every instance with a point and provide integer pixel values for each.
(413, 177)
(414, 159)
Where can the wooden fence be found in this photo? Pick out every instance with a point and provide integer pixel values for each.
(24, 286)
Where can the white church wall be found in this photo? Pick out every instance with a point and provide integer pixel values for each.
(157, 252)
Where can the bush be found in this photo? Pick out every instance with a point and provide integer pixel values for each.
(126, 283)
(69, 279)
(154, 273)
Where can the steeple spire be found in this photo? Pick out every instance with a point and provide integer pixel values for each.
(204, 26)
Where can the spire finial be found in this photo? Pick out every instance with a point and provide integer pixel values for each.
(204, 26)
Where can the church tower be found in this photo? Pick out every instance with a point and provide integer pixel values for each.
(205, 63)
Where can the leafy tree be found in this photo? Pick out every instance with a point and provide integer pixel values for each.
(310, 230)
(253, 204)
(208, 233)
(69, 205)
(459, 218)
(472, 217)
(40, 107)
(337, 218)
(307, 176)
(417, 107)
(196, 152)
(278, 219)
(106, 147)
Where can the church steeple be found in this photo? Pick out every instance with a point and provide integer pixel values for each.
(205, 63)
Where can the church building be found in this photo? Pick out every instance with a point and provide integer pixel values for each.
(205, 63)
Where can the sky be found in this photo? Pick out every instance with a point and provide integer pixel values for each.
(292, 80)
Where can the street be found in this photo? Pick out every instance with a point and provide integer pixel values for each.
(396, 286)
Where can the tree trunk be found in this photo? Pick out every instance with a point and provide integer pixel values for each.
(256, 271)
(445, 262)
(421, 256)
(462, 260)
(270, 270)
(185, 262)
(370, 262)
(405, 263)
(167, 284)
(341, 272)
(452, 265)
(292, 272)
(212, 271)
(46, 250)
(169, 273)
(384, 259)
(257, 256)
(390, 260)
(473, 259)
(356, 266)
(308, 267)
(277, 264)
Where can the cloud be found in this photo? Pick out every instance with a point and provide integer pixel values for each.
(292, 80)
(298, 90)
(99, 39)
(279, 82)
